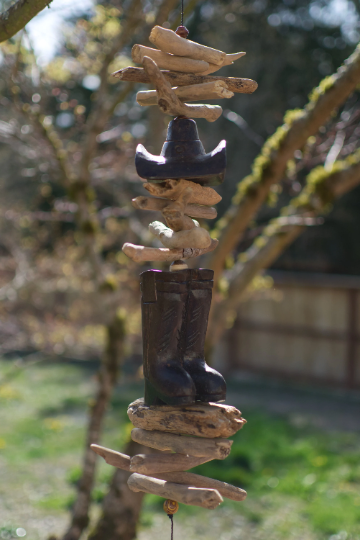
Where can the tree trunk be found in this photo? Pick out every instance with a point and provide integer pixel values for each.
(121, 507)
(107, 377)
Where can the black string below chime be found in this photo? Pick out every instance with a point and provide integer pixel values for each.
(172, 526)
(171, 507)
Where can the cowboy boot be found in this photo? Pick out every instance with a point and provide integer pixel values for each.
(163, 307)
(210, 384)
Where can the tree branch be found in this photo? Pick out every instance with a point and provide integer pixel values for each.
(18, 15)
(107, 376)
(103, 109)
(322, 187)
(269, 167)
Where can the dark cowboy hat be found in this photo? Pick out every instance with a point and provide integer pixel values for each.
(182, 156)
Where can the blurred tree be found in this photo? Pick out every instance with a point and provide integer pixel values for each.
(69, 135)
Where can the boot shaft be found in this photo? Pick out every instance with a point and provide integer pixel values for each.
(163, 302)
(163, 307)
(175, 309)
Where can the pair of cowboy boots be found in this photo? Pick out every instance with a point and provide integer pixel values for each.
(175, 310)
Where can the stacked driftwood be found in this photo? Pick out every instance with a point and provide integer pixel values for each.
(184, 437)
(179, 438)
(182, 236)
(189, 64)
(186, 77)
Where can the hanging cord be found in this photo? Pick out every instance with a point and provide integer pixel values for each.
(181, 30)
(172, 526)
(171, 507)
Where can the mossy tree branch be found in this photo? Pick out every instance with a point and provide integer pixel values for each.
(18, 15)
(270, 166)
(321, 189)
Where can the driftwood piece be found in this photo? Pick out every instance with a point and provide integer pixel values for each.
(168, 61)
(191, 479)
(170, 189)
(196, 92)
(174, 213)
(177, 221)
(234, 84)
(207, 420)
(170, 104)
(121, 461)
(229, 59)
(157, 204)
(210, 448)
(158, 463)
(141, 253)
(168, 41)
(207, 498)
(197, 238)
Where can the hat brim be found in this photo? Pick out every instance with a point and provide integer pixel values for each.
(207, 169)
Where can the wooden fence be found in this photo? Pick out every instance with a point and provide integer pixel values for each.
(309, 330)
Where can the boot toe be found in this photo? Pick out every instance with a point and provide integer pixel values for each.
(210, 384)
(172, 385)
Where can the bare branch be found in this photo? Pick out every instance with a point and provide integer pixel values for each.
(18, 15)
(270, 166)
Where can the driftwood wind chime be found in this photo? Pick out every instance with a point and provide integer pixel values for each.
(180, 416)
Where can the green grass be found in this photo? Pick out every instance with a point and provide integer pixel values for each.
(301, 482)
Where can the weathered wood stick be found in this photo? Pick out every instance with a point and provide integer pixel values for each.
(141, 253)
(155, 204)
(158, 463)
(178, 221)
(229, 59)
(169, 103)
(207, 420)
(226, 490)
(196, 92)
(169, 42)
(121, 461)
(174, 213)
(210, 448)
(206, 498)
(168, 61)
(170, 189)
(196, 238)
(234, 84)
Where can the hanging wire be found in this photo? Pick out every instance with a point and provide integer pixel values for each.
(182, 12)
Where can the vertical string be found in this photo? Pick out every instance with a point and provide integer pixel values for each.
(182, 12)
(172, 526)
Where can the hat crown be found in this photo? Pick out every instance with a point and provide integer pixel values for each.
(182, 129)
(182, 140)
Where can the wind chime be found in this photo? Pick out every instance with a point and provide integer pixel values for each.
(180, 416)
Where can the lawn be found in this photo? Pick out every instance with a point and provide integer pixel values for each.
(302, 483)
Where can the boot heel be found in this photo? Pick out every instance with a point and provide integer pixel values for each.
(154, 397)
(151, 396)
